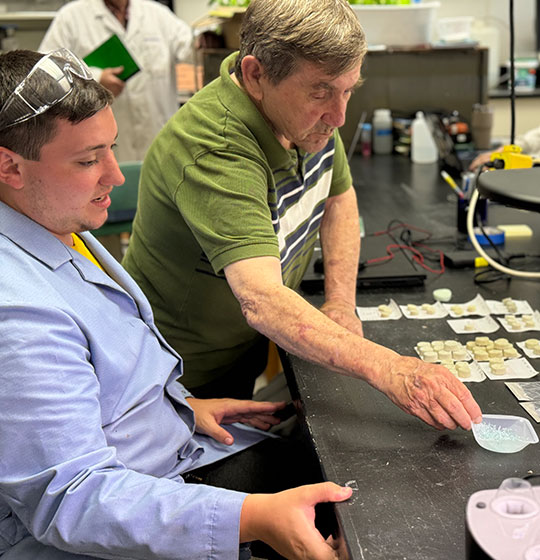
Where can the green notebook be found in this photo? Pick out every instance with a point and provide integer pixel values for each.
(113, 53)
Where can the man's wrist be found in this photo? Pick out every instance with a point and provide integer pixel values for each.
(339, 302)
(250, 516)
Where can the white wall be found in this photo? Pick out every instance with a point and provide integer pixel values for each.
(495, 13)
(190, 10)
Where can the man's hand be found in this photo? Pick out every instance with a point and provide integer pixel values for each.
(210, 413)
(343, 314)
(286, 521)
(430, 392)
(481, 159)
(110, 80)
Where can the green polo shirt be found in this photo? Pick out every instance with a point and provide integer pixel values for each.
(217, 187)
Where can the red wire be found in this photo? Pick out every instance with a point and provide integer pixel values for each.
(418, 257)
(402, 225)
(441, 258)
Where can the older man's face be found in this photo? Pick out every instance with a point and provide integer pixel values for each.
(305, 108)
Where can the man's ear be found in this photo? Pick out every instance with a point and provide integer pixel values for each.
(252, 73)
(10, 172)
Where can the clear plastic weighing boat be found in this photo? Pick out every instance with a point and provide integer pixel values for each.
(504, 434)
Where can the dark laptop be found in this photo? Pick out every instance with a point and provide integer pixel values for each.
(400, 271)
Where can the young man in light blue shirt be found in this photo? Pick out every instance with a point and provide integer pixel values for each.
(97, 436)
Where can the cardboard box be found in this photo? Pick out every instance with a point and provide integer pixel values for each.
(231, 31)
(226, 20)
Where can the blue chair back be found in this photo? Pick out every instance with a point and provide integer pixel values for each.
(123, 202)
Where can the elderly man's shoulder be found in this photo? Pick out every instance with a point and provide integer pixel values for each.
(208, 122)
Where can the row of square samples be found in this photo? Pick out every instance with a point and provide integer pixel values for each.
(475, 316)
(481, 357)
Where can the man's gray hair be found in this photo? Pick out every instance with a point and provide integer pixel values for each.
(280, 33)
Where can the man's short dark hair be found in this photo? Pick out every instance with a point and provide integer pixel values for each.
(28, 137)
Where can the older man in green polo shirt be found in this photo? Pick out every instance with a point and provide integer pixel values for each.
(234, 192)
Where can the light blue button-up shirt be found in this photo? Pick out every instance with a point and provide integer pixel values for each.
(94, 427)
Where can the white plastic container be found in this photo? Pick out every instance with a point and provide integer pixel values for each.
(400, 24)
(423, 147)
(488, 36)
(383, 139)
(454, 29)
(525, 73)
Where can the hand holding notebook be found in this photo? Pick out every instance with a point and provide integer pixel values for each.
(113, 53)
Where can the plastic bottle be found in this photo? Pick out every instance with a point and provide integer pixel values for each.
(8, 41)
(423, 147)
(382, 131)
(489, 37)
(365, 140)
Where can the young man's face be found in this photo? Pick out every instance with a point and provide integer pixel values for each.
(306, 107)
(67, 190)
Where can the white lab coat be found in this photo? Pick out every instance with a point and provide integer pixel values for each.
(157, 40)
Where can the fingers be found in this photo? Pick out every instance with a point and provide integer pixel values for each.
(220, 434)
(231, 410)
(211, 428)
(470, 405)
(233, 406)
(448, 411)
(328, 492)
(455, 405)
(339, 547)
(435, 416)
(110, 80)
(480, 160)
(291, 529)
(434, 395)
(266, 406)
(210, 413)
(261, 422)
(460, 405)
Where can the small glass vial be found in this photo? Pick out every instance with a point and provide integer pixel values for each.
(365, 140)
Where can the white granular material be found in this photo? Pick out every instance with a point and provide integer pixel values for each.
(489, 432)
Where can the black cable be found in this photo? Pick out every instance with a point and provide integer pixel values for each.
(530, 476)
(502, 258)
(490, 274)
(406, 239)
(512, 77)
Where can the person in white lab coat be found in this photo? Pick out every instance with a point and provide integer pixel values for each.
(157, 40)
